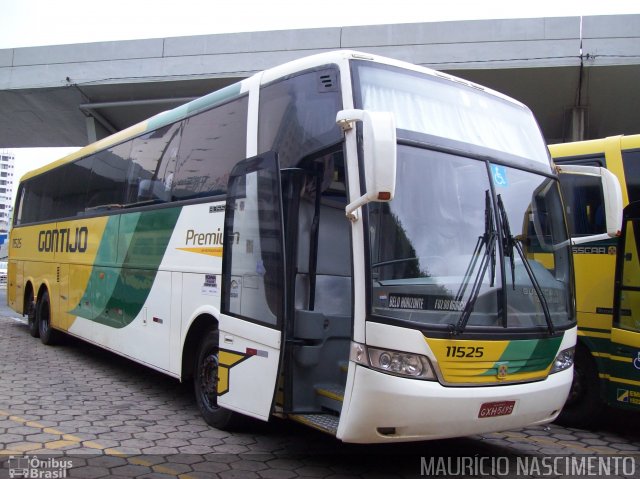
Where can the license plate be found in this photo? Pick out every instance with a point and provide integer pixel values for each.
(497, 408)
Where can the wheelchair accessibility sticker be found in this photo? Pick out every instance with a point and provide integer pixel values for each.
(499, 175)
(636, 361)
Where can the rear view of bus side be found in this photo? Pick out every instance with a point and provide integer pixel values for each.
(344, 240)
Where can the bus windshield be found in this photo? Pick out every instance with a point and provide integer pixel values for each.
(429, 105)
(462, 242)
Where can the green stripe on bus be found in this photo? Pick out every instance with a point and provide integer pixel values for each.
(528, 355)
(597, 345)
(207, 101)
(103, 278)
(115, 295)
(622, 369)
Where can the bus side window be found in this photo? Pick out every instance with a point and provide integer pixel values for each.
(109, 177)
(212, 143)
(17, 217)
(153, 158)
(72, 181)
(298, 115)
(631, 165)
(37, 201)
(584, 204)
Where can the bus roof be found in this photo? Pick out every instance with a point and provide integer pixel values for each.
(600, 145)
(239, 88)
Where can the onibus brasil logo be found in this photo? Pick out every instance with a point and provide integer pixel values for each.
(35, 468)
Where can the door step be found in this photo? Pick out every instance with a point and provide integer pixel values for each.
(327, 423)
(330, 396)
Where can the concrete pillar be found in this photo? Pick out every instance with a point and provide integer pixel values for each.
(91, 129)
(578, 123)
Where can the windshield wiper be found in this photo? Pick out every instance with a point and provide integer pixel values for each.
(487, 241)
(510, 243)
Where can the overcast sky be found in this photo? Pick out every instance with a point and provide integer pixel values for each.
(46, 22)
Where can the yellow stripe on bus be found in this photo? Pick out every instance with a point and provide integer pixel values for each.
(593, 334)
(619, 380)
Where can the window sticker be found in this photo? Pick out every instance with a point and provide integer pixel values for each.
(499, 175)
(210, 286)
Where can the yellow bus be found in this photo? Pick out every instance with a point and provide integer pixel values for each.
(342, 240)
(607, 370)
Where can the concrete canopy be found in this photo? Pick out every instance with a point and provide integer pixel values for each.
(68, 95)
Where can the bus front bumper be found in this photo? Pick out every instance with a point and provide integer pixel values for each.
(386, 408)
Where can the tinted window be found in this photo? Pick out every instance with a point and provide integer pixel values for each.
(212, 143)
(72, 180)
(631, 164)
(253, 273)
(19, 211)
(37, 200)
(153, 160)
(109, 178)
(584, 204)
(298, 115)
(188, 159)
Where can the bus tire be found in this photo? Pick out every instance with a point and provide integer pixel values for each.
(584, 404)
(205, 382)
(30, 307)
(48, 335)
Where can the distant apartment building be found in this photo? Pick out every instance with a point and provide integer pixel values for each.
(7, 161)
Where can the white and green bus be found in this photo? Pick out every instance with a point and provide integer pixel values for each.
(345, 240)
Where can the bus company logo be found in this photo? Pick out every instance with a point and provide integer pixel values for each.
(207, 243)
(503, 370)
(195, 238)
(63, 240)
(591, 250)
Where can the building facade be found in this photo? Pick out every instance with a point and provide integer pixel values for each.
(7, 163)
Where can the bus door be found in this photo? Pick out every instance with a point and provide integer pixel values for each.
(624, 367)
(319, 278)
(253, 292)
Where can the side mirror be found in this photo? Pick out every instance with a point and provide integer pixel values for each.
(612, 197)
(379, 147)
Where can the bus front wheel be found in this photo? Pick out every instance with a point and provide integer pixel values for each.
(206, 384)
(48, 335)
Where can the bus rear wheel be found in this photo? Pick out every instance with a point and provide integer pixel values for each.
(30, 308)
(48, 335)
(205, 383)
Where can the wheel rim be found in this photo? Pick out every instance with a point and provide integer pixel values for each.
(31, 310)
(43, 319)
(209, 380)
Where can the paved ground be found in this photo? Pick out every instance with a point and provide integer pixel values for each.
(112, 418)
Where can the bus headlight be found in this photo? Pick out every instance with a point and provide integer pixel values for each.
(564, 360)
(399, 363)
